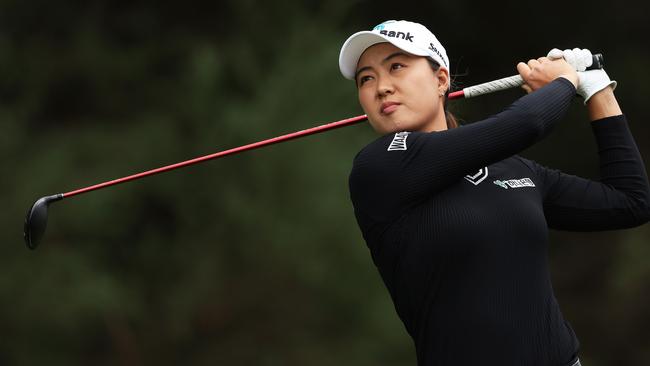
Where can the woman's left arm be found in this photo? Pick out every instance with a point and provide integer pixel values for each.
(603, 104)
(620, 199)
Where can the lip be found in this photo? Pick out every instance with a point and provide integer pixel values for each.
(388, 107)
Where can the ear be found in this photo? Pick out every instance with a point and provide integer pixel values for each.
(443, 80)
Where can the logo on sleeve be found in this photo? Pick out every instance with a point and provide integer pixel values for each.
(399, 141)
(515, 183)
(477, 178)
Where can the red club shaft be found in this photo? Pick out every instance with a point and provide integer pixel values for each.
(255, 145)
(456, 95)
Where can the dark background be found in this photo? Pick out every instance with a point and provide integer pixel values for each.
(256, 259)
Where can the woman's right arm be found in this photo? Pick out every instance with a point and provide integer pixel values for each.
(399, 171)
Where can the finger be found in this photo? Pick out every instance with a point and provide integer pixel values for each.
(533, 63)
(527, 88)
(523, 69)
(554, 54)
(581, 63)
(570, 57)
(542, 59)
(588, 57)
(585, 59)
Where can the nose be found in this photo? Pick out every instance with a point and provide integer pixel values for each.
(385, 87)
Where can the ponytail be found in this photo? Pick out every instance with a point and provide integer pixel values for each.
(452, 121)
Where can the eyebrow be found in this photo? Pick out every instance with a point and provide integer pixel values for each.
(392, 55)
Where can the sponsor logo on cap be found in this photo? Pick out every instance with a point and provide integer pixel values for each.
(434, 49)
(407, 36)
(382, 25)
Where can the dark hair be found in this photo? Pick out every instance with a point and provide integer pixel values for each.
(452, 121)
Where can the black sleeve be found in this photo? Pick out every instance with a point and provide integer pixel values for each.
(398, 171)
(620, 199)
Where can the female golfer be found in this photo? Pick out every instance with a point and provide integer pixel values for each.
(456, 222)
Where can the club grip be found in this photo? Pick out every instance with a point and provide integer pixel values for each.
(597, 61)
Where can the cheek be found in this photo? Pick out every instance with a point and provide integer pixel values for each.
(365, 100)
(424, 97)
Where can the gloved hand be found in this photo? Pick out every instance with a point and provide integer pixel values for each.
(580, 59)
(589, 82)
(593, 81)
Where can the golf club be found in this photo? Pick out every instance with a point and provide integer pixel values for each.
(36, 218)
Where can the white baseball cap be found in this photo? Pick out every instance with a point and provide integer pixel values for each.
(411, 37)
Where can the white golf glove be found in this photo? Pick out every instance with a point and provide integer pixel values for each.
(593, 81)
(580, 59)
(589, 82)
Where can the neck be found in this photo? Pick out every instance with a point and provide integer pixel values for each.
(438, 124)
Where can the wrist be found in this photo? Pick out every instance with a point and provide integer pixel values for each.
(593, 81)
(573, 78)
(603, 104)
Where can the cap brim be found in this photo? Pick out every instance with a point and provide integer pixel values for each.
(357, 43)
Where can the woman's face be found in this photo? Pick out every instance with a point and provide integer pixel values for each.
(399, 91)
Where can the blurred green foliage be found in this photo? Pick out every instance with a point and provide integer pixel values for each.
(256, 259)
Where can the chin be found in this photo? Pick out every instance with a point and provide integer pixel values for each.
(390, 125)
(383, 131)
(386, 129)
(383, 127)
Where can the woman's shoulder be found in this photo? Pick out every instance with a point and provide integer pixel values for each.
(394, 141)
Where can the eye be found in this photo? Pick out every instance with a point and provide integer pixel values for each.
(364, 78)
(396, 66)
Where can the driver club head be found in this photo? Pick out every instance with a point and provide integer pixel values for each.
(36, 220)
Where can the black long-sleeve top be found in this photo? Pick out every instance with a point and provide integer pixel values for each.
(457, 225)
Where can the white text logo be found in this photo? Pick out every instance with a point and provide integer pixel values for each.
(515, 183)
(399, 141)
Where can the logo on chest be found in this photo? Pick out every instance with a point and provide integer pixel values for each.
(399, 141)
(515, 183)
(477, 178)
